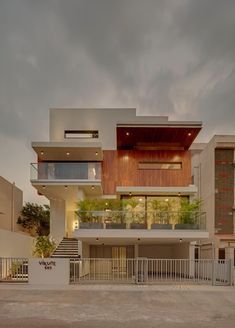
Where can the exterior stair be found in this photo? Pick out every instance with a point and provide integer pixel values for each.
(67, 248)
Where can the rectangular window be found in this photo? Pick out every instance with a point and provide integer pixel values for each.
(160, 165)
(81, 134)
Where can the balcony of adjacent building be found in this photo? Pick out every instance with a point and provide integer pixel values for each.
(144, 225)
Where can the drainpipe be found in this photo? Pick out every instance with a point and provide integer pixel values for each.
(13, 207)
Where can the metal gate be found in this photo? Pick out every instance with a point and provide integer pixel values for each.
(13, 269)
(147, 271)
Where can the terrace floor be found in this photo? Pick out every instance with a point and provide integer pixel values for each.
(117, 306)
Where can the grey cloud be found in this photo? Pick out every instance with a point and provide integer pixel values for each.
(166, 57)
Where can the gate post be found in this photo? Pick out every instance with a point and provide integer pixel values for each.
(229, 255)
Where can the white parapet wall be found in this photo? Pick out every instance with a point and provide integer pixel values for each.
(48, 271)
(15, 244)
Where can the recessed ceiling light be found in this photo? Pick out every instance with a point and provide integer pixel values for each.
(68, 153)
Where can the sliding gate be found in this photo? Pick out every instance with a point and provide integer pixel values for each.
(147, 271)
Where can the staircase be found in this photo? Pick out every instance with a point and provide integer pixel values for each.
(67, 248)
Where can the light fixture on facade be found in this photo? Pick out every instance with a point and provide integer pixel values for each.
(43, 187)
(42, 152)
(140, 199)
(130, 194)
(166, 200)
(66, 187)
(138, 239)
(180, 240)
(106, 204)
(189, 134)
(179, 194)
(68, 153)
(96, 153)
(92, 187)
(127, 133)
(97, 239)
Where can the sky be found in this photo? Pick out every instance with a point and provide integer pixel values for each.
(171, 57)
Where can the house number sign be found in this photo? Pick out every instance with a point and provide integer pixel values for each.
(48, 265)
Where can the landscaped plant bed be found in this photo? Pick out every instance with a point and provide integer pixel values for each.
(186, 226)
(115, 225)
(166, 226)
(138, 226)
(91, 225)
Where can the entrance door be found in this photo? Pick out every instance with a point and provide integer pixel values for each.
(119, 259)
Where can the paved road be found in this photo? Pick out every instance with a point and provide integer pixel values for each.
(117, 306)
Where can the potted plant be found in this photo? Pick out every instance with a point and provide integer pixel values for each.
(188, 214)
(90, 213)
(44, 246)
(162, 212)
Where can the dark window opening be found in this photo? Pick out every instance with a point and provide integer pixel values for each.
(160, 166)
(81, 134)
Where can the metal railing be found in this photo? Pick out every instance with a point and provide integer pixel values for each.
(13, 270)
(141, 270)
(65, 171)
(142, 220)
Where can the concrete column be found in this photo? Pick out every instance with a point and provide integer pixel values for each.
(229, 255)
(69, 223)
(136, 251)
(57, 220)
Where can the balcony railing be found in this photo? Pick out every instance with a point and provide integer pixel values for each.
(65, 171)
(142, 220)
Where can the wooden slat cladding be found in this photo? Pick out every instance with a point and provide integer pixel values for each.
(121, 168)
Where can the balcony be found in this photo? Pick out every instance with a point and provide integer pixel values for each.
(65, 172)
(149, 220)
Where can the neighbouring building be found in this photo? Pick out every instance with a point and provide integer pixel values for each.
(114, 154)
(214, 174)
(11, 203)
(13, 242)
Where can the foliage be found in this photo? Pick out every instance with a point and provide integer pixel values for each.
(44, 246)
(189, 210)
(88, 208)
(35, 219)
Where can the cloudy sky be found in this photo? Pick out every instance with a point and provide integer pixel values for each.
(173, 57)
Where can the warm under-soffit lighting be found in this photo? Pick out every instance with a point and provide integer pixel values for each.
(127, 133)
(42, 152)
(68, 153)
(189, 134)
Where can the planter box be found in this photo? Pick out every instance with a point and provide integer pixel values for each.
(186, 226)
(138, 226)
(115, 225)
(161, 226)
(90, 225)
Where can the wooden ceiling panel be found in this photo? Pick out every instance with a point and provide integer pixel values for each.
(144, 138)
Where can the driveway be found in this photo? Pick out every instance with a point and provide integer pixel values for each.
(117, 306)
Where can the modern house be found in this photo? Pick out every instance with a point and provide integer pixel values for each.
(139, 168)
